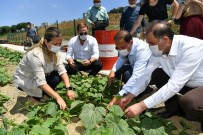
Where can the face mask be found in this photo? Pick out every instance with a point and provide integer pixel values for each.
(132, 6)
(155, 50)
(55, 49)
(123, 52)
(83, 37)
(97, 5)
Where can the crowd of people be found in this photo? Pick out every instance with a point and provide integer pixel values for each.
(174, 63)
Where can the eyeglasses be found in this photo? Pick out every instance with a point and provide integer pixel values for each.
(83, 33)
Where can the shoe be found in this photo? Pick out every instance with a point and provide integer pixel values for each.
(202, 126)
(166, 114)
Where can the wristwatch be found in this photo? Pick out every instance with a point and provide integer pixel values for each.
(69, 88)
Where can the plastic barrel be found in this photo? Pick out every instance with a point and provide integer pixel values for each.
(108, 54)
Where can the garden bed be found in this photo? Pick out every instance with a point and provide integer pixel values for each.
(87, 114)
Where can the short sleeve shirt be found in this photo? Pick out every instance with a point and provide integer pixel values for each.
(157, 12)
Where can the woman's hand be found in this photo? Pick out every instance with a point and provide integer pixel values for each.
(71, 94)
(61, 103)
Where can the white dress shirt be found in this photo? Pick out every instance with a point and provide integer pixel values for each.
(86, 51)
(138, 58)
(183, 64)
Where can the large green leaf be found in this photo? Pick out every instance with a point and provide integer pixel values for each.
(76, 107)
(118, 125)
(3, 131)
(52, 109)
(115, 109)
(152, 127)
(91, 115)
(39, 130)
(135, 124)
(17, 131)
(49, 122)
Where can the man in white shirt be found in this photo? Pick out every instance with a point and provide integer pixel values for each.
(181, 58)
(83, 52)
(133, 51)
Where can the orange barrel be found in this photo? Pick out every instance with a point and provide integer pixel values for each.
(108, 54)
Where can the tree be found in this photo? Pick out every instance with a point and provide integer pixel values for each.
(116, 10)
(4, 30)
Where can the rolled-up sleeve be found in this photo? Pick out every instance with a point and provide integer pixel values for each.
(95, 49)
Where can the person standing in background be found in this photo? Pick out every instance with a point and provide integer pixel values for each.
(155, 10)
(97, 16)
(129, 16)
(190, 16)
(31, 33)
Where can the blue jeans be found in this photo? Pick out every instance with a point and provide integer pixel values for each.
(125, 71)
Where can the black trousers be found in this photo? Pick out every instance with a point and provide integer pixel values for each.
(190, 104)
(94, 29)
(94, 68)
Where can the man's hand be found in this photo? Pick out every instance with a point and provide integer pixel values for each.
(86, 63)
(93, 25)
(111, 77)
(112, 102)
(71, 94)
(135, 110)
(123, 102)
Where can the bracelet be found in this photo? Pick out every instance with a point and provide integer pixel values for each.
(69, 88)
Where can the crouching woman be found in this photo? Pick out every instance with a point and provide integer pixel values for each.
(42, 69)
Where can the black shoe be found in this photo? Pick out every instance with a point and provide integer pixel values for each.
(166, 114)
(202, 126)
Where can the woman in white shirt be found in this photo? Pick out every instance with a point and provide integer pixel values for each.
(42, 69)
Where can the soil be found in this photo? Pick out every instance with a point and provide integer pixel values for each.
(18, 98)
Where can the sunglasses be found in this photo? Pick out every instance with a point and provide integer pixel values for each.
(83, 33)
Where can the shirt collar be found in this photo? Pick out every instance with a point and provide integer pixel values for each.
(174, 46)
(132, 52)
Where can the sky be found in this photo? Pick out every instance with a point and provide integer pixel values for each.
(39, 11)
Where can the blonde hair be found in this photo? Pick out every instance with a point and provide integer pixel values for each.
(50, 33)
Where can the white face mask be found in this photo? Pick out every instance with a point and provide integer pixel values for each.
(123, 52)
(83, 37)
(132, 6)
(97, 5)
(155, 50)
(55, 49)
